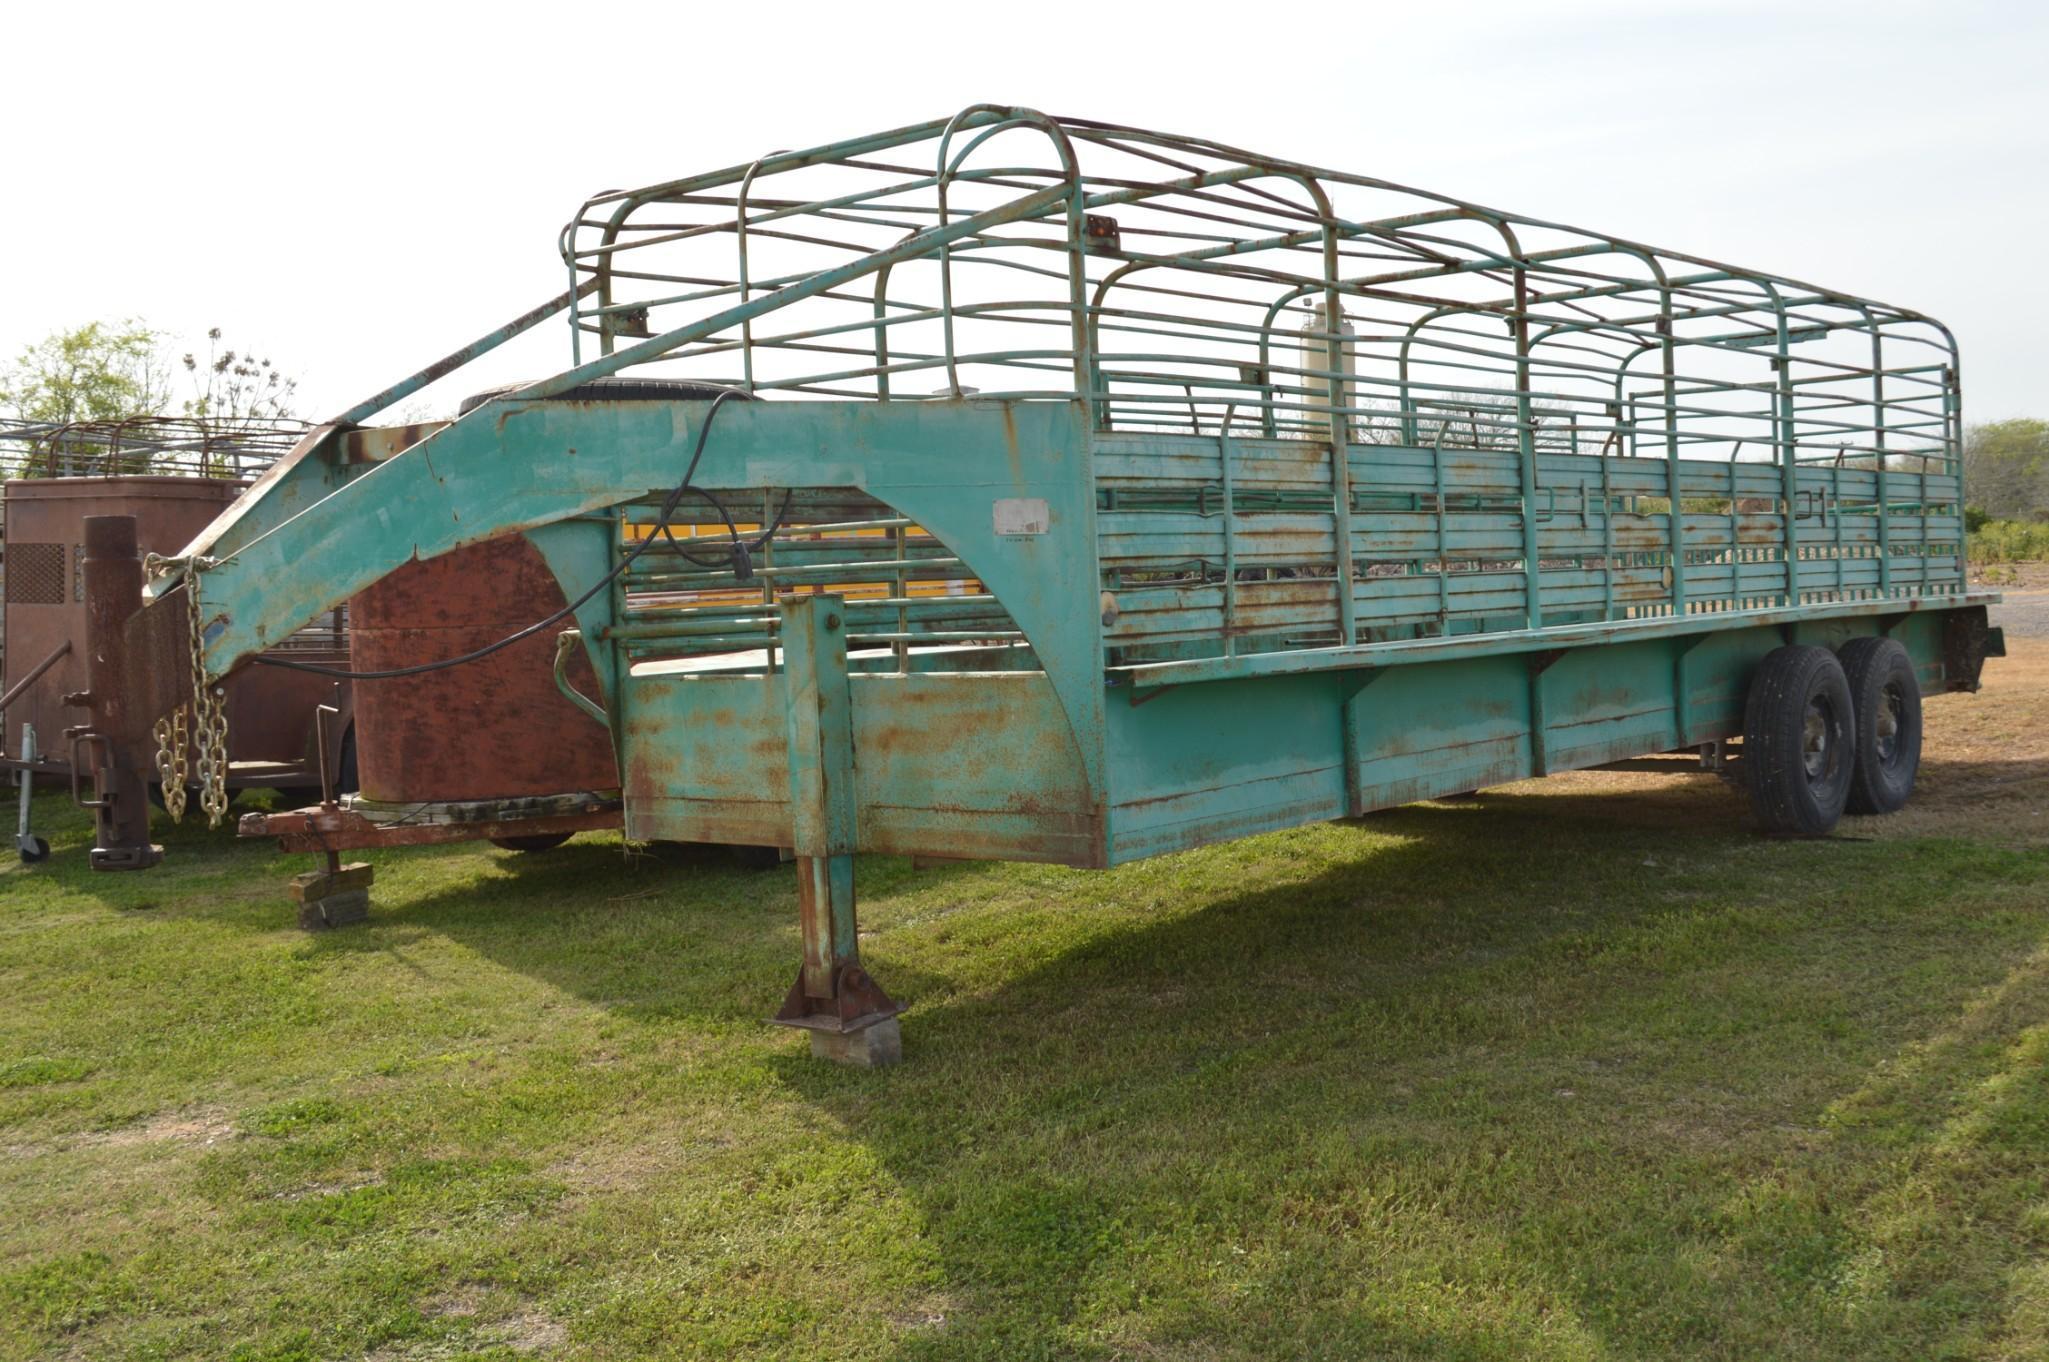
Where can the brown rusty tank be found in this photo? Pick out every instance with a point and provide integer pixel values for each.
(496, 728)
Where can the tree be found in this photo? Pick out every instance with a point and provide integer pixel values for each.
(102, 371)
(2006, 469)
(231, 390)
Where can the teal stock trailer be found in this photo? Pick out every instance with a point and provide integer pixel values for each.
(1031, 488)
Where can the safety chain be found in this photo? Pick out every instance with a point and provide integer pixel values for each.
(206, 713)
(171, 739)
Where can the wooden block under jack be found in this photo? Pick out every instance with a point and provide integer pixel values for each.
(333, 898)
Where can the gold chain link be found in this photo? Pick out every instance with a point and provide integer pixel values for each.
(207, 715)
(171, 739)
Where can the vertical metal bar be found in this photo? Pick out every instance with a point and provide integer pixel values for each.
(1735, 539)
(1674, 481)
(1835, 480)
(1533, 575)
(620, 701)
(1443, 537)
(1607, 541)
(29, 756)
(768, 583)
(1953, 465)
(1407, 397)
(1230, 533)
(1340, 422)
(818, 715)
(746, 288)
(903, 610)
(1790, 464)
(113, 594)
(1884, 531)
(575, 309)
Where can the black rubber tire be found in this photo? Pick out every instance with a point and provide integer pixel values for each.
(38, 850)
(1799, 741)
(540, 841)
(1886, 695)
(614, 390)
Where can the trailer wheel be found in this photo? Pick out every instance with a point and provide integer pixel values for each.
(1799, 741)
(613, 390)
(1886, 696)
(37, 850)
(539, 841)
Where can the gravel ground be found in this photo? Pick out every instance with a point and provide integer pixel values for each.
(2023, 614)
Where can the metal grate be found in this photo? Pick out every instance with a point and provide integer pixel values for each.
(35, 574)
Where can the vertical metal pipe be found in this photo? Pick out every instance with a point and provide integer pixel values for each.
(1675, 486)
(818, 708)
(1533, 573)
(903, 608)
(1230, 533)
(117, 729)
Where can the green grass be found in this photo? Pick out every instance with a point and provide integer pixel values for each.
(2009, 541)
(1534, 1076)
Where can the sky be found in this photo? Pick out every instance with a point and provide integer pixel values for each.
(353, 190)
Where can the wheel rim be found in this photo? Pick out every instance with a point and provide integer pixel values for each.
(1818, 739)
(1890, 720)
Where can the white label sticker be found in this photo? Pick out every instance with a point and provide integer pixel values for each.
(1022, 515)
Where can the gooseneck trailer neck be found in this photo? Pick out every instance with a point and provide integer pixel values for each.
(1104, 492)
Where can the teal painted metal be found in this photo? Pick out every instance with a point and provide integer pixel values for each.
(1150, 562)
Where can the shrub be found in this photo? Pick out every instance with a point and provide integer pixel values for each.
(2009, 541)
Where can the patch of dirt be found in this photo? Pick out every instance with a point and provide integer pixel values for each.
(461, 1303)
(627, 1166)
(195, 1127)
(326, 1188)
(1984, 758)
(533, 1332)
(191, 1127)
(2011, 576)
(530, 1332)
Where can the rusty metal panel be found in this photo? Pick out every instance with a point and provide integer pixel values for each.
(47, 516)
(491, 729)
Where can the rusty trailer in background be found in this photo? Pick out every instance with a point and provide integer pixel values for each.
(1108, 493)
(171, 477)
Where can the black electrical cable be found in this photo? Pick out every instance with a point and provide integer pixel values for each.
(739, 550)
(738, 554)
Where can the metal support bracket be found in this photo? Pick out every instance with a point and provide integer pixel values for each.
(1539, 663)
(1682, 686)
(1353, 717)
(832, 992)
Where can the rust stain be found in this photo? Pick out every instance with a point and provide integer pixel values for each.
(492, 729)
